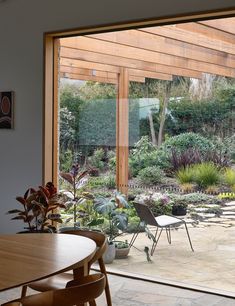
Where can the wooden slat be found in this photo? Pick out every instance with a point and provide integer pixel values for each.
(122, 134)
(109, 48)
(157, 43)
(225, 24)
(150, 74)
(88, 77)
(199, 35)
(91, 72)
(88, 65)
(117, 61)
(82, 77)
(132, 72)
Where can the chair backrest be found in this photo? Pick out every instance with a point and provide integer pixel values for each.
(76, 293)
(99, 239)
(145, 214)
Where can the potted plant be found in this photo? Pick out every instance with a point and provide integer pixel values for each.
(179, 208)
(76, 179)
(113, 209)
(122, 249)
(37, 208)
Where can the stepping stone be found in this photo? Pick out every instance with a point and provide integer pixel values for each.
(231, 208)
(228, 213)
(200, 209)
(230, 217)
(230, 203)
(205, 215)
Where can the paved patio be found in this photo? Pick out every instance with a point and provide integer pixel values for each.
(212, 264)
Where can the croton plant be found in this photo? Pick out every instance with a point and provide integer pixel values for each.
(38, 207)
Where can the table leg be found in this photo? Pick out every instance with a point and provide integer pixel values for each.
(80, 272)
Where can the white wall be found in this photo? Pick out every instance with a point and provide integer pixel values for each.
(22, 23)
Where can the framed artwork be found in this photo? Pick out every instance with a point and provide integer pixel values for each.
(6, 110)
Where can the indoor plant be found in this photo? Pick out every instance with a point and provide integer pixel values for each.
(37, 209)
(76, 179)
(113, 209)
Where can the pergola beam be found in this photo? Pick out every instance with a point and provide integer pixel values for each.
(104, 79)
(197, 34)
(109, 48)
(148, 41)
(225, 25)
(118, 61)
(132, 72)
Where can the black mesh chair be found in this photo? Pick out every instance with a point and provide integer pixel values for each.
(161, 222)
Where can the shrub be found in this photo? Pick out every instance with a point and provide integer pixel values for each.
(187, 187)
(96, 160)
(206, 174)
(185, 141)
(229, 177)
(110, 181)
(145, 154)
(212, 189)
(185, 175)
(150, 175)
(183, 159)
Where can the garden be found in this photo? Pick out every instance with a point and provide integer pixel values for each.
(181, 153)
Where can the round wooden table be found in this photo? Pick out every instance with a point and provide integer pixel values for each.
(28, 257)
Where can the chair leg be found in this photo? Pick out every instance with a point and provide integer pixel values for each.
(156, 241)
(107, 290)
(92, 303)
(135, 235)
(190, 242)
(24, 291)
(168, 234)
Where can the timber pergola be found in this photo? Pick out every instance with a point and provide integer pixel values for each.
(188, 50)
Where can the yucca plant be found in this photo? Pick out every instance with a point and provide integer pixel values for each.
(206, 174)
(229, 177)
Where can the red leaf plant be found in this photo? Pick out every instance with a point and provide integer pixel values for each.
(37, 208)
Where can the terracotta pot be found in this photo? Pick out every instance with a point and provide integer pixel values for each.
(122, 253)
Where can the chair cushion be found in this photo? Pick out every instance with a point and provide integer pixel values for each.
(165, 220)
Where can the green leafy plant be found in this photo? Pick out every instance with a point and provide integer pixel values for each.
(113, 209)
(229, 177)
(122, 244)
(160, 205)
(76, 179)
(37, 208)
(184, 141)
(96, 160)
(206, 174)
(110, 181)
(150, 175)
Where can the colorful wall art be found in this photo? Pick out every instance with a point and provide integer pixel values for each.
(6, 110)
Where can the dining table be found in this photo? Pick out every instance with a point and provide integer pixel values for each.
(25, 258)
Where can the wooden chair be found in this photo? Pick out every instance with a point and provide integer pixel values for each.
(59, 281)
(76, 293)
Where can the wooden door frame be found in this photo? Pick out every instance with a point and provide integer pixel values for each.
(51, 79)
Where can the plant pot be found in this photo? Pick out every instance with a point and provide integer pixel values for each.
(109, 254)
(179, 211)
(122, 253)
